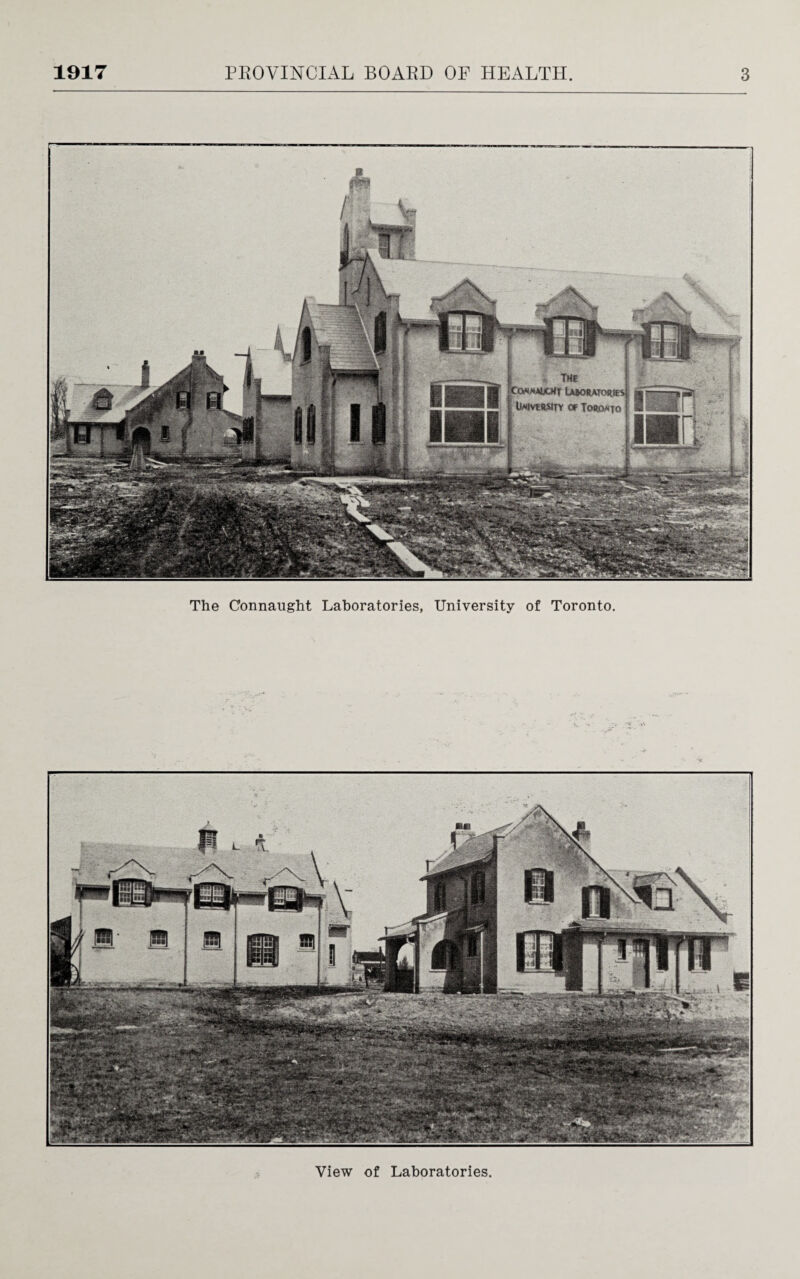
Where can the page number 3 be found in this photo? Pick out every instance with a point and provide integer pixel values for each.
(745, 73)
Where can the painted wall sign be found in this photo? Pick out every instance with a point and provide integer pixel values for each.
(567, 397)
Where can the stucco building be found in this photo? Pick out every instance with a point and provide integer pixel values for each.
(201, 915)
(527, 907)
(267, 401)
(182, 418)
(425, 368)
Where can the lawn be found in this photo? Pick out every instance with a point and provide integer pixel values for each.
(221, 520)
(243, 1066)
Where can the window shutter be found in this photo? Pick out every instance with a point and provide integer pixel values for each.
(443, 342)
(249, 952)
(548, 885)
(646, 342)
(88, 435)
(75, 434)
(148, 894)
(196, 896)
(177, 399)
(375, 420)
(605, 903)
(114, 886)
(275, 952)
(520, 952)
(691, 953)
(558, 952)
(591, 337)
(299, 903)
(488, 333)
(685, 344)
(528, 885)
(271, 899)
(707, 955)
(548, 337)
(227, 902)
(585, 902)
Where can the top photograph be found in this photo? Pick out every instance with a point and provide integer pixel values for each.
(280, 361)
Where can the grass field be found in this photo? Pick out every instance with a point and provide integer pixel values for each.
(225, 521)
(243, 1066)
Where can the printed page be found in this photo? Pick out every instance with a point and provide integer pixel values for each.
(400, 719)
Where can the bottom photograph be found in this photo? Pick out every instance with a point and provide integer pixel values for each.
(438, 959)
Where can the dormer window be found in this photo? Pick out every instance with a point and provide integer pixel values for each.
(102, 400)
(284, 897)
(466, 331)
(132, 892)
(570, 335)
(663, 899)
(212, 897)
(666, 341)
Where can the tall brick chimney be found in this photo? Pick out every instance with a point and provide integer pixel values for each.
(462, 831)
(146, 374)
(583, 836)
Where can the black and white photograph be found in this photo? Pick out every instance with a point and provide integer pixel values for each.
(389, 361)
(416, 959)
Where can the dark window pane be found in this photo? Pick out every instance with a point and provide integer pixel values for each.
(436, 394)
(637, 401)
(662, 429)
(638, 429)
(492, 427)
(493, 396)
(457, 396)
(662, 401)
(436, 426)
(463, 428)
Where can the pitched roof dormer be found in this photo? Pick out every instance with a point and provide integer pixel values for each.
(102, 399)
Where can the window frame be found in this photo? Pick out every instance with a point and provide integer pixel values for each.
(703, 944)
(657, 340)
(298, 425)
(332, 954)
(183, 400)
(458, 323)
(384, 242)
(444, 946)
(311, 424)
(529, 956)
(656, 905)
(257, 944)
(211, 895)
(622, 950)
(379, 333)
(132, 893)
(355, 423)
(440, 895)
(284, 901)
(157, 945)
(82, 433)
(104, 945)
(307, 941)
(165, 433)
(662, 954)
(439, 409)
(641, 413)
(209, 945)
(213, 400)
(305, 344)
(477, 888)
(547, 881)
(570, 327)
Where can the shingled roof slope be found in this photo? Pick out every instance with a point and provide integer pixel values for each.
(274, 371)
(172, 867)
(340, 328)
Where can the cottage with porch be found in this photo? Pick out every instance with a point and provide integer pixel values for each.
(527, 907)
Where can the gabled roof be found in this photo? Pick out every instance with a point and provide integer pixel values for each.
(81, 407)
(340, 328)
(337, 911)
(388, 215)
(286, 334)
(519, 290)
(274, 371)
(171, 867)
(472, 850)
(692, 911)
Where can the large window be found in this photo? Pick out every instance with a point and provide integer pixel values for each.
(464, 413)
(262, 951)
(539, 952)
(285, 898)
(158, 939)
(539, 885)
(663, 415)
(212, 897)
(132, 892)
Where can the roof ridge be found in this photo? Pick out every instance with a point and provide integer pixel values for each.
(512, 266)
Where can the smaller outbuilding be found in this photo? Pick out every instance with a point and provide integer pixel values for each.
(267, 401)
(181, 418)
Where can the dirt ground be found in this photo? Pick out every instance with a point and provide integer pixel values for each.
(221, 520)
(255, 1067)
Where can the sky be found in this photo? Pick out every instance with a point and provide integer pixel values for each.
(374, 832)
(156, 251)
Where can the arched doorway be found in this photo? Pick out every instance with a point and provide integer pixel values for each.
(232, 438)
(141, 436)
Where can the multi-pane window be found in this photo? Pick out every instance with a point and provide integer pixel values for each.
(662, 954)
(182, 400)
(699, 954)
(158, 939)
(262, 951)
(663, 415)
(102, 402)
(211, 895)
(384, 244)
(663, 899)
(535, 883)
(131, 892)
(81, 434)
(332, 955)
(464, 413)
(311, 424)
(103, 937)
(307, 941)
(213, 399)
(594, 899)
(464, 331)
(212, 941)
(536, 951)
(285, 898)
(569, 337)
(665, 341)
(478, 888)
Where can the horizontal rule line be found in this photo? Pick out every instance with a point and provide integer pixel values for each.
(636, 93)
